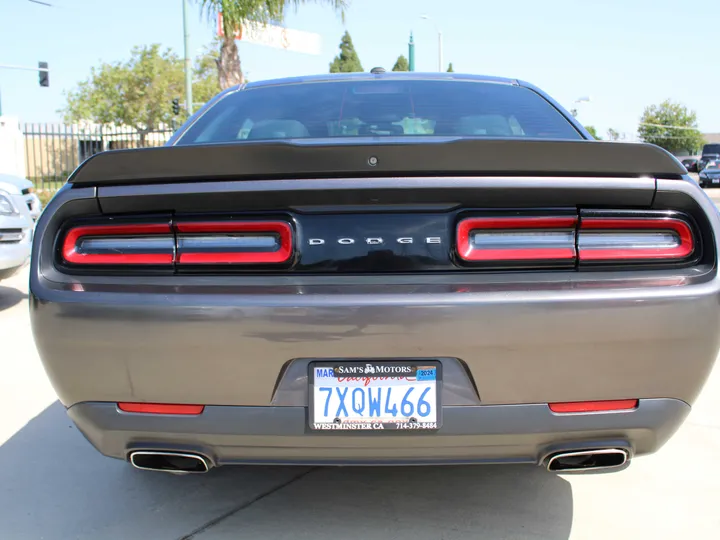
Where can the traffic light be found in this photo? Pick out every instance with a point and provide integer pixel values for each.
(43, 74)
(176, 106)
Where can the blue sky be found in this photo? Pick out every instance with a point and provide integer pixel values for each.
(624, 55)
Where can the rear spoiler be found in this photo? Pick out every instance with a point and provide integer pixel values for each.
(286, 160)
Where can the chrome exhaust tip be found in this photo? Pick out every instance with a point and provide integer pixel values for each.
(588, 460)
(171, 462)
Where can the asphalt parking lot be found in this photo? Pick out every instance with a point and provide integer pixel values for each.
(54, 485)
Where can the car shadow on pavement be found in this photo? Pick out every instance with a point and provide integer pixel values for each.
(10, 297)
(55, 485)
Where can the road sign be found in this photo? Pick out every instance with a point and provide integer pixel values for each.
(275, 36)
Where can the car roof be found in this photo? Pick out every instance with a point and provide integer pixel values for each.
(404, 75)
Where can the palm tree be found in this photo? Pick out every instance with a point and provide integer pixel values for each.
(235, 13)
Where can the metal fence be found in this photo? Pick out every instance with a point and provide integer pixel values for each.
(53, 151)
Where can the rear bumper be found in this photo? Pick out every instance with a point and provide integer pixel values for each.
(471, 434)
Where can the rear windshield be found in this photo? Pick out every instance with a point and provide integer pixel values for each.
(388, 108)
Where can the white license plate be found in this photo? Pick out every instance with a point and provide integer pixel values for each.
(398, 395)
(716, 180)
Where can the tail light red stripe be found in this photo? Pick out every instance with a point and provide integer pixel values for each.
(70, 245)
(593, 406)
(239, 242)
(160, 408)
(280, 229)
(683, 249)
(522, 241)
(468, 251)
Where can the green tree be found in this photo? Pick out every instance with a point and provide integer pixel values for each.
(135, 93)
(592, 131)
(348, 60)
(206, 82)
(401, 64)
(671, 126)
(235, 13)
(450, 68)
(613, 135)
(138, 93)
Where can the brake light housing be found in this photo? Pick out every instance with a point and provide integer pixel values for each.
(517, 240)
(234, 242)
(119, 244)
(173, 244)
(635, 238)
(585, 239)
(461, 241)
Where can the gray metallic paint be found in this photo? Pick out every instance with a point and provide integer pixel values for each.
(525, 338)
(135, 338)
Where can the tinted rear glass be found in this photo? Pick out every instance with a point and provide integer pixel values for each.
(389, 108)
(711, 149)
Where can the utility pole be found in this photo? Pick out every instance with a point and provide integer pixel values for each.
(411, 53)
(188, 65)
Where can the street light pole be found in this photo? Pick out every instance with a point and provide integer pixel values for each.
(411, 53)
(440, 51)
(188, 65)
(440, 40)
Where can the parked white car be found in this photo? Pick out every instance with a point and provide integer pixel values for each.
(19, 209)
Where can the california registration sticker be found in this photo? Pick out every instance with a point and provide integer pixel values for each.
(373, 395)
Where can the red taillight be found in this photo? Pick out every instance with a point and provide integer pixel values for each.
(593, 406)
(160, 408)
(226, 242)
(602, 239)
(240, 242)
(145, 244)
(533, 238)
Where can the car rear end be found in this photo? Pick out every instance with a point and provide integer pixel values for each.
(531, 301)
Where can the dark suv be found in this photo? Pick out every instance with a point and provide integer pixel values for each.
(711, 152)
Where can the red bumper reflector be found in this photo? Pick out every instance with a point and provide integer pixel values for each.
(160, 408)
(594, 406)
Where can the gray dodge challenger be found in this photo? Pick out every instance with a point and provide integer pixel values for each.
(378, 269)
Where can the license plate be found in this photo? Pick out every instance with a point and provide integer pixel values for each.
(372, 395)
(716, 180)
